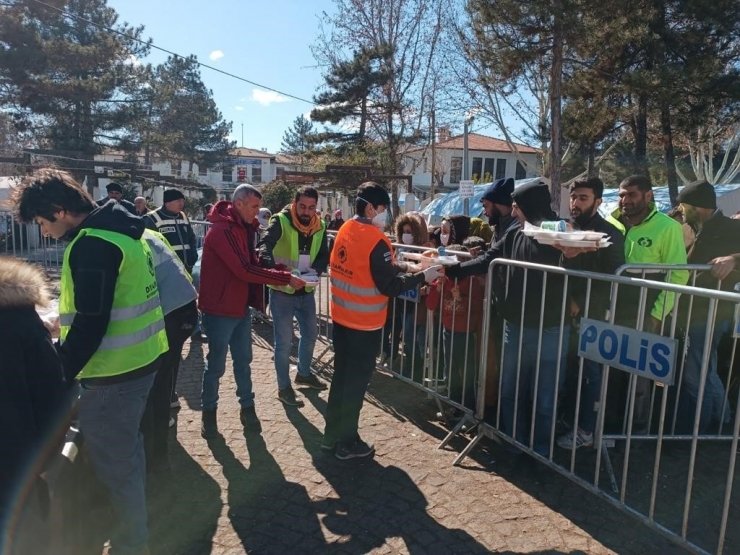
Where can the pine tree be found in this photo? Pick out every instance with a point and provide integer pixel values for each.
(64, 77)
(299, 139)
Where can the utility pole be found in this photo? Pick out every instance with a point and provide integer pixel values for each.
(434, 155)
(466, 174)
(242, 135)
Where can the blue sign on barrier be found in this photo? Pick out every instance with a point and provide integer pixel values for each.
(648, 355)
(412, 295)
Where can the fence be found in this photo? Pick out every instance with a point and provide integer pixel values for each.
(653, 392)
(26, 241)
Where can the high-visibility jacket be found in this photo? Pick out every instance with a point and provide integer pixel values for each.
(135, 336)
(356, 302)
(178, 232)
(286, 249)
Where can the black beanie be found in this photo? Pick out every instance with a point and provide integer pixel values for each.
(172, 194)
(114, 187)
(533, 199)
(499, 192)
(701, 195)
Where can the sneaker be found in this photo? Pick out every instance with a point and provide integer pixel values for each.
(450, 415)
(198, 336)
(172, 422)
(354, 451)
(208, 426)
(582, 439)
(251, 423)
(382, 359)
(328, 444)
(310, 381)
(175, 404)
(288, 397)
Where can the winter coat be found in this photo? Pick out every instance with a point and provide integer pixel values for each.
(458, 305)
(230, 275)
(32, 388)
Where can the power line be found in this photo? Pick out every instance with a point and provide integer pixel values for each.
(171, 53)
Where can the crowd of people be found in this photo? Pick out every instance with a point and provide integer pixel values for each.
(127, 305)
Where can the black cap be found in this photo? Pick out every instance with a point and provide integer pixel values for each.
(533, 199)
(701, 195)
(113, 186)
(172, 194)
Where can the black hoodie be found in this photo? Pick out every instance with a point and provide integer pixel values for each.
(534, 201)
(94, 265)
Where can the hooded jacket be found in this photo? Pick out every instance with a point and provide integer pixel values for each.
(230, 275)
(534, 201)
(94, 265)
(32, 388)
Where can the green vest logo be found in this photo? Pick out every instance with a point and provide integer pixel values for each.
(645, 242)
(150, 263)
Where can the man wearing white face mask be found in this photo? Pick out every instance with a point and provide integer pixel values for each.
(363, 276)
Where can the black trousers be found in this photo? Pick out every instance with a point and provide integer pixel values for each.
(179, 325)
(354, 362)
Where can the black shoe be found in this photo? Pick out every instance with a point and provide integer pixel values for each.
(198, 336)
(356, 450)
(328, 444)
(208, 425)
(287, 396)
(249, 419)
(310, 381)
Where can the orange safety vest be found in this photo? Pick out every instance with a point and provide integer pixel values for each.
(355, 301)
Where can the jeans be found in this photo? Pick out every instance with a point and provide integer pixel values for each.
(590, 395)
(714, 390)
(459, 366)
(284, 307)
(109, 421)
(547, 387)
(226, 333)
(354, 362)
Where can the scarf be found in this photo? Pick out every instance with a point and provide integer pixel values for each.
(307, 230)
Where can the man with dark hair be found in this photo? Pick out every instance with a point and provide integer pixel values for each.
(115, 192)
(496, 201)
(585, 199)
(171, 221)
(363, 276)
(295, 240)
(112, 333)
(717, 243)
(230, 283)
(651, 237)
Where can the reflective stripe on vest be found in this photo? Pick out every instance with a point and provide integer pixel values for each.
(180, 247)
(356, 302)
(117, 314)
(159, 222)
(286, 249)
(135, 335)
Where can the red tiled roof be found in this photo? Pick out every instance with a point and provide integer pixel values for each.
(252, 152)
(477, 141)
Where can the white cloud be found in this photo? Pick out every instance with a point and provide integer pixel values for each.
(267, 97)
(238, 108)
(216, 55)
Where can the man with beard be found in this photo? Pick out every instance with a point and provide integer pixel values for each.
(717, 243)
(585, 199)
(651, 237)
(295, 239)
(496, 201)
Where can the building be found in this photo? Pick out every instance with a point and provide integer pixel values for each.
(488, 159)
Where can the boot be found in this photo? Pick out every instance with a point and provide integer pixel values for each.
(208, 426)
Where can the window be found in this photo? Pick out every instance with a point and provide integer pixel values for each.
(477, 168)
(202, 170)
(488, 170)
(521, 173)
(500, 168)
(455, 169)
(256, 174)
(227, 174)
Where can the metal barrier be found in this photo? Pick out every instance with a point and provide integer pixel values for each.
(662, 485)
(200, 228)
(27, 242)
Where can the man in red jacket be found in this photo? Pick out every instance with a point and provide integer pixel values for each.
(231, 282)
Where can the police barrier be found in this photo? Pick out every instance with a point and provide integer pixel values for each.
(27, 242)
(680, 482)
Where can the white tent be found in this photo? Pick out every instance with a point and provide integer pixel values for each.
(728, 199)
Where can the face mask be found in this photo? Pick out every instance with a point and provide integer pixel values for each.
(444, 238)
(407, 239)
(379, 220)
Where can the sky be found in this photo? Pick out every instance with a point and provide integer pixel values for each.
(264, 41)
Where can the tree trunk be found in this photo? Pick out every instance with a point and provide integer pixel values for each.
(592, 160)
(556, 80)
(670, 155)
(641, 136)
